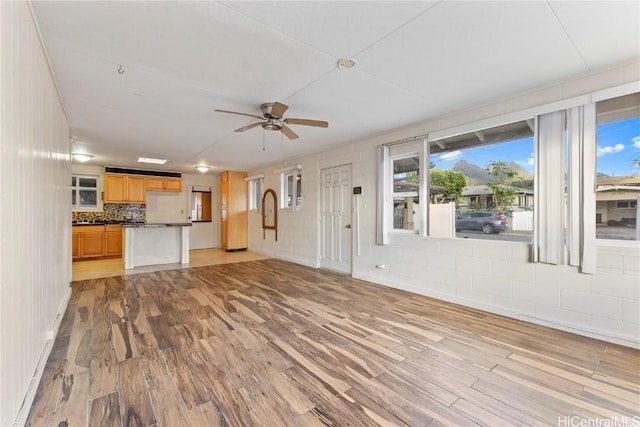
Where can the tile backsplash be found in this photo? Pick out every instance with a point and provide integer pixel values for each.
(114, 212)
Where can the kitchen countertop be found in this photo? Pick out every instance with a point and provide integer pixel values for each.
(152, 225)
(133, 224)
(105, 223)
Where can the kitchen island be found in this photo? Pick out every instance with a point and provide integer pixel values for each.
(153, 244)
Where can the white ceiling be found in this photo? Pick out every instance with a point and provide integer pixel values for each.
(415, 61)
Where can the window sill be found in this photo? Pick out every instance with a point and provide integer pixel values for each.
(611, 243)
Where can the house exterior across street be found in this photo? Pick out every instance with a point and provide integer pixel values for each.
(617, 199)
(480, 197)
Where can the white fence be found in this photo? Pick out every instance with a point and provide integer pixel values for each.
(522, 221)
(442, 220)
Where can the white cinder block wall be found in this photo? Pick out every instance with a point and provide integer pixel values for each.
(489, 275)
(35, 210)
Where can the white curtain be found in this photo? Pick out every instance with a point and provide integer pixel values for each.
(565, 188)
(582, 153)
(549, 212)
(382, 220)
(425, 172)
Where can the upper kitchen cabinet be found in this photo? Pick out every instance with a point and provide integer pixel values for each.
(158, 183)
(124, 189)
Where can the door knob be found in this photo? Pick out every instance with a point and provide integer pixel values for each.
(347, 226)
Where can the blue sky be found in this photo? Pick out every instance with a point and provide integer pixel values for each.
(618, 145)
(520, 151)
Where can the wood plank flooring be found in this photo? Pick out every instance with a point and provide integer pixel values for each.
(107, 267)
(270, 343)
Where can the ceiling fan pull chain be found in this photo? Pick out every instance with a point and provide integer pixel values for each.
(263, 145)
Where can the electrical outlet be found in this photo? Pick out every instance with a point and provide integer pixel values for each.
(381, 266)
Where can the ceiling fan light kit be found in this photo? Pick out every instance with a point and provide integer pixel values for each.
(271, 119)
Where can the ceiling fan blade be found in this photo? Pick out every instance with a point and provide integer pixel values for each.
(307, 122)
(247, 127)
(288, 132)
(278, 109)
(239, 114)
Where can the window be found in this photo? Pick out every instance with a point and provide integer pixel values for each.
(406, 186)
(200, 206)
(84, 192)
(480, 185)
(291, 189)
(618, 167)
(489, 176)
(627, 204)
(255, 185)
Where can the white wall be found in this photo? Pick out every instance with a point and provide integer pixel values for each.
(35, 210)
(297, 229)
(167, 207)
(493, 276)
(204, 235)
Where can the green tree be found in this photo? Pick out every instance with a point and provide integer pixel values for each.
(453, 181)
(503, 192)
(413, 177)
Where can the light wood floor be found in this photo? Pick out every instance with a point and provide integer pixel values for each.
(270, 343)
(93, 269)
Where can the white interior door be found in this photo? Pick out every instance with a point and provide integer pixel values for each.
(335, 221)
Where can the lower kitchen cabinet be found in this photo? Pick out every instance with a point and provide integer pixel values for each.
(75, 244)
(88, 241)
(93, 241)
(113, 240)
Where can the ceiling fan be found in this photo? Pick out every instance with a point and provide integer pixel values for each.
(271, 119)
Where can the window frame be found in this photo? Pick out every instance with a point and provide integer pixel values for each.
(383, 231)
(255, 190)
(608, 116)
(76, 189)
(628, 204)
(502, 130)
(296, 199)
(393, 195)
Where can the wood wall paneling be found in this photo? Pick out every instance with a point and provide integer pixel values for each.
(35, 249)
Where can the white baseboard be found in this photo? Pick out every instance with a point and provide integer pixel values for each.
(51, 333)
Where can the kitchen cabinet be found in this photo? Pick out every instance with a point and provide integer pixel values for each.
(93, 241)
(157, 183)
(124, 189)
(233, 211)
(113, 240)
(88, 241)
(75, 244)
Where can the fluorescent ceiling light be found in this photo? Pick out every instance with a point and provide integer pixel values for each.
(202, 169)
(151, 160)
(81, 157)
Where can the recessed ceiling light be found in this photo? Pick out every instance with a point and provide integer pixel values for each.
(202, 169)
(346, 63)
(82, 157)
(151, 160)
